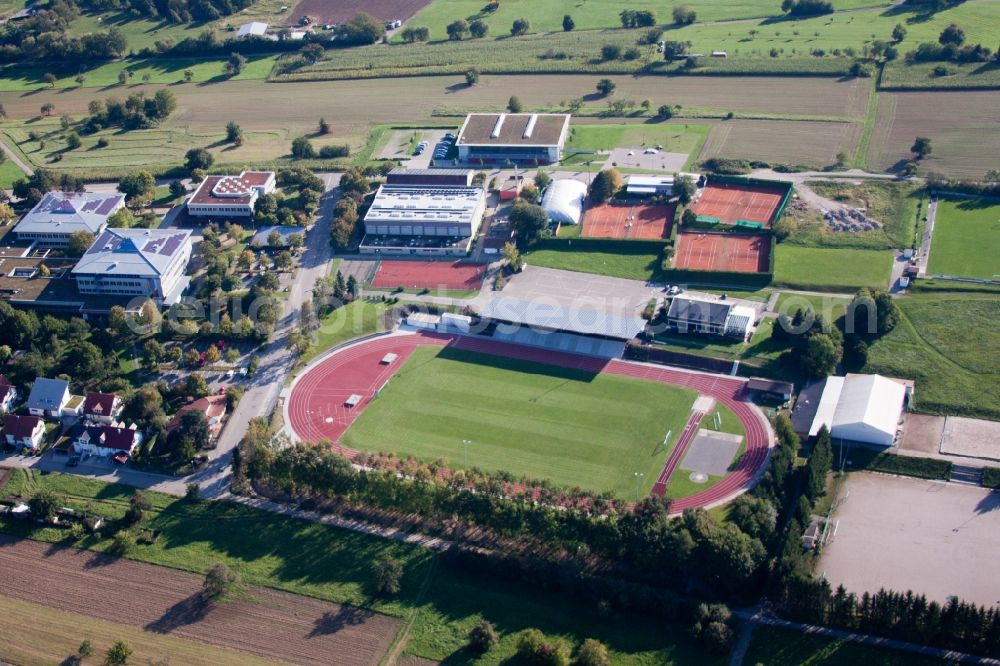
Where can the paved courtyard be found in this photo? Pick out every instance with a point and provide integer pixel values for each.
(659, 161)
(572, 290)
(935, 538)
(975, 438)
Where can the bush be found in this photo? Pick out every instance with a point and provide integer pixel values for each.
(520, 27)
(302, 148)
(482, 637)
(611, 52)
(532, 648)
(331, 152)
(592, 653)
(220, 580)
(386, 576)
(991, 477)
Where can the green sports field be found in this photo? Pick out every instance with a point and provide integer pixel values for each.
(966, 239)
(837, 269)
(532, 420)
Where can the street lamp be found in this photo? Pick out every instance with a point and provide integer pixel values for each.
(638, 480)
(466, 442)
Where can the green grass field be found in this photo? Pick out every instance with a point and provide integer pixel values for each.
(966, 239)
(539, 421)
(9, 172)
(351, 321)
(831, 307)
(334, 564)
(953, 375)
(140, 32)
(633, 266)
(19, 78)
(680, 484)
(834, 269)
(591, 14)
(674, 138)
(782, 647)
(768, 43)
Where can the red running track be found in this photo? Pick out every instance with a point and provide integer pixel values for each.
(683, 442)
(316, 408)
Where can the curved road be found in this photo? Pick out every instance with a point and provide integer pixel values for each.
(315, 409)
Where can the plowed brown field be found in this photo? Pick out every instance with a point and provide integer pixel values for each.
(267, 623)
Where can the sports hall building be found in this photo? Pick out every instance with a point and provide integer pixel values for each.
(527, 139)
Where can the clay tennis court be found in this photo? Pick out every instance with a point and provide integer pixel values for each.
(453, 275)
(645, 222)
(730, 202)
(744, 253)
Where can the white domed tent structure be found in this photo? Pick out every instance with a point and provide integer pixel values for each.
(563, 201)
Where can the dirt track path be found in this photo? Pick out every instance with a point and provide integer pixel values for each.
(271, 623)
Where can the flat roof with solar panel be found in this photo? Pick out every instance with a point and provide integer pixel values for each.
(64, 213)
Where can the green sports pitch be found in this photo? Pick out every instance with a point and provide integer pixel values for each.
(539, 421)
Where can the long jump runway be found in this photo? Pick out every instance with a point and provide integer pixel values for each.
(317, 411)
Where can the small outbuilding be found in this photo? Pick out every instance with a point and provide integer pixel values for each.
(253, 29)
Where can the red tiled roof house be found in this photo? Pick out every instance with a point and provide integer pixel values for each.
(23, 431)
(102, 408)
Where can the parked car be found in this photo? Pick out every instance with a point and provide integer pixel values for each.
(73, 460)
(119, 458)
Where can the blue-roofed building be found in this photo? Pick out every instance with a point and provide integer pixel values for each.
(136, 262)
(60, 214)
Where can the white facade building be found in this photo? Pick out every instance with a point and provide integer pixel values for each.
(230, 196)
(136, 262)
(861, 408)
(60, 214)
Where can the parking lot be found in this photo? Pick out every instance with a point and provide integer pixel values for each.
(638, 158)
(935, 538)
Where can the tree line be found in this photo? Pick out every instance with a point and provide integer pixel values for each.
(45, 36)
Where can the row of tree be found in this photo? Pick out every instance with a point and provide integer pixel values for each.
(658, 549)
(45, 36)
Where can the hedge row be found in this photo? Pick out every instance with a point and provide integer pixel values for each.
(620, 245)
(922, 468)
(723, 278)
(991, 477)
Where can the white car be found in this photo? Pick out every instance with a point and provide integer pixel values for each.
(650, 151)
(631, 153)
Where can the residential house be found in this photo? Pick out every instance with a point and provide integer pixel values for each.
(23, 431)
(214, 408)
(710, 317)
(104, 440)
(8, 395)
(48, 397)
(102, 408)
(137, 262)
(60, 214)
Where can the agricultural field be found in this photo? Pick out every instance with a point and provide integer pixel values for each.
(953, 374)
(894, 204)
(36, 635)
(169, 71)
(571, 427)
(900, 76)
(264, 622)
(966, 239)
(784, 647)
(11, 6)
(960, 125)
(330, 564)
(811, 144)
(835, 269)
